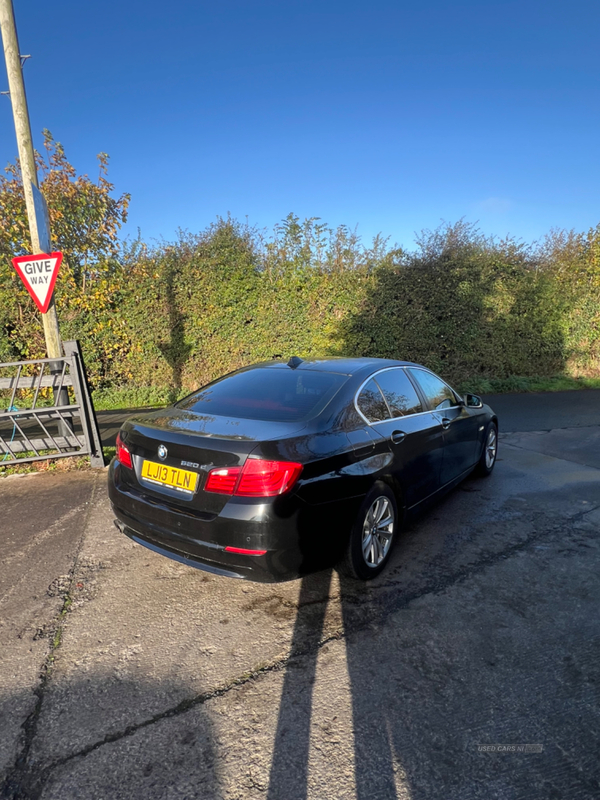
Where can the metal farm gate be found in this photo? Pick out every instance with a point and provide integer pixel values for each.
(46, 410)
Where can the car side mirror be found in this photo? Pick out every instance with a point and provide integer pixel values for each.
(472, 401)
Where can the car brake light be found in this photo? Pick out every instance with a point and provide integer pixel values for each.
(123, 453)
(222, 481)
(257, 478)
(267, 478)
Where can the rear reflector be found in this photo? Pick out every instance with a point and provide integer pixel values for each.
(257, 478)
(123, 453)
(242, 551)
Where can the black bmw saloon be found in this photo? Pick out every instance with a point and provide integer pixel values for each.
(280, 469)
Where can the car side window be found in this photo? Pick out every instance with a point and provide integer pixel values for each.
(438, 394)
(399, 392)
(371, 403)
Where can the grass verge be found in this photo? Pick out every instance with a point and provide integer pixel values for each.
(134, 397)
(515, 384)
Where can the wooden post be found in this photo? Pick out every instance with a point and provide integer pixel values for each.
(26, 156)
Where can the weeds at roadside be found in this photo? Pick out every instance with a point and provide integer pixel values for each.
(515, 384)
(77, 463)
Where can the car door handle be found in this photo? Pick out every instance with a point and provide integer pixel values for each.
(445, 423)
(398, 436)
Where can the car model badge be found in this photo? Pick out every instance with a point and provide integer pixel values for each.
(162, 452)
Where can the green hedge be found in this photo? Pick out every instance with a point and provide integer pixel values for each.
(177, 315)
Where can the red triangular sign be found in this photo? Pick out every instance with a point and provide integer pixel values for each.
(39, 273)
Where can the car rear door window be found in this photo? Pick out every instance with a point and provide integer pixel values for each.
(372, 404)
(399, 392)
(439, 395)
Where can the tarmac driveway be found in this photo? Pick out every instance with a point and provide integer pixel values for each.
(470, 669)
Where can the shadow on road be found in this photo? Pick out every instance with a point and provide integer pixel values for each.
(121, 743)
(373, 761)
(432, 685)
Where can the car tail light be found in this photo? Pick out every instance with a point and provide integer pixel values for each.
(257, 478)
(123, 453)
(267, 478)
(222, 481)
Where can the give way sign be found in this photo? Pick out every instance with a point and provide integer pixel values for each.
(39, 273)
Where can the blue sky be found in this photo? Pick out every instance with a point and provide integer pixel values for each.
(392, 116)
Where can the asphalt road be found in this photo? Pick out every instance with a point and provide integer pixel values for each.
(470, 669)
(537, 411)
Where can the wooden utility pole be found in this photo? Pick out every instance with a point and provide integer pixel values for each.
(18, 99)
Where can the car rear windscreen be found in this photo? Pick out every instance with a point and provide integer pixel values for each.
(267, 394)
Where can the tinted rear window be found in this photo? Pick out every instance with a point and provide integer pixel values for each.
(371, 403)
(267, 394)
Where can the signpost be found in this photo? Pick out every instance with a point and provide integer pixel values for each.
(37, 214)
(39, 273)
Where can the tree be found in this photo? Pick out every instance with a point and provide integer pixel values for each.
(84, 217)
(85, 220)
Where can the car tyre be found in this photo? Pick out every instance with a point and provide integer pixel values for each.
(373, 535)
(489, 453)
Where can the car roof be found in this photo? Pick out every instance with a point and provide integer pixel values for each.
(339, 365)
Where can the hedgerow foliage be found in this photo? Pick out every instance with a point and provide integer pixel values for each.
(179, 313)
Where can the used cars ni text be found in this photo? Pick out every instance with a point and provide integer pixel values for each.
(277, 470)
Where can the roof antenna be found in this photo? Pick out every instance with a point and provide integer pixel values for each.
(294, 362)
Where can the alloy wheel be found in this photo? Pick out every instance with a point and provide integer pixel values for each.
(491, 447)
(378, 530)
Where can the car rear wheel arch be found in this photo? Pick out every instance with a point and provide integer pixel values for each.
(396, 487)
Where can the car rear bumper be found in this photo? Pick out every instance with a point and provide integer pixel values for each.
(155, 541)
(297, 538)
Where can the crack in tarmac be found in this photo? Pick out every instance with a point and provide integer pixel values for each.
(20, 783)
(33, 786)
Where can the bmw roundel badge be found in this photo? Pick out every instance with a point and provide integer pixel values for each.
(162, 452)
